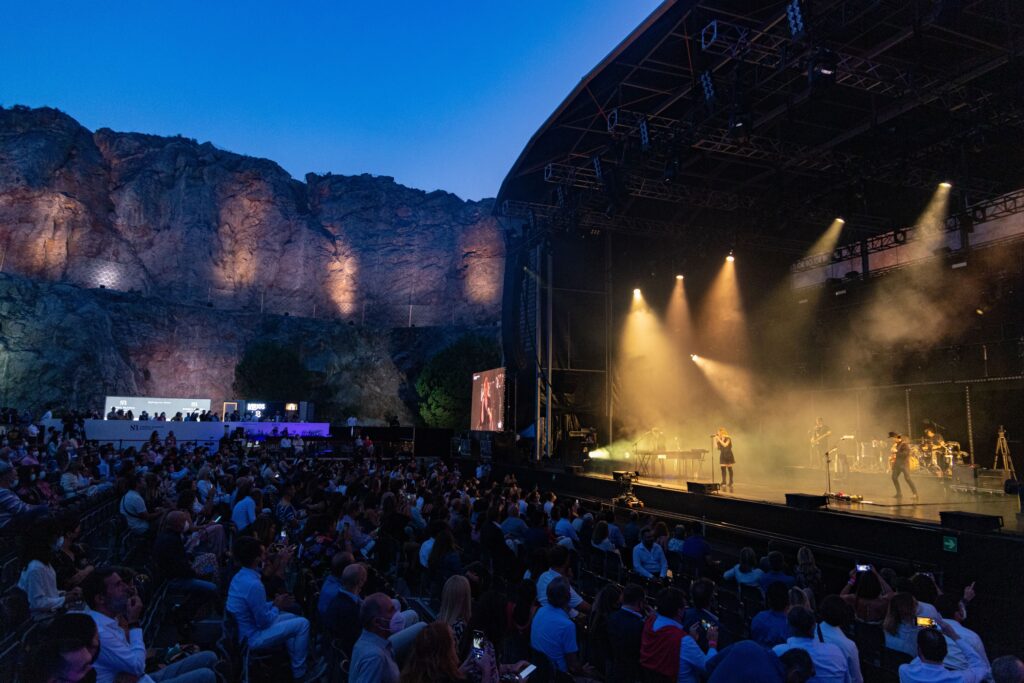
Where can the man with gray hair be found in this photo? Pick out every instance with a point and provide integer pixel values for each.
(372, 658)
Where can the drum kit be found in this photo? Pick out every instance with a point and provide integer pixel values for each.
(926, 455)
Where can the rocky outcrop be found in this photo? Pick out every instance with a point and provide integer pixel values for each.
(62, 345)
(170, 218)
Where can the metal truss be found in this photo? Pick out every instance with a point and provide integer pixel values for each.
(587, 177)
(998, 207)
(741, 43)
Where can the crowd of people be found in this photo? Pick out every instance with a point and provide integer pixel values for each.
(311, 565)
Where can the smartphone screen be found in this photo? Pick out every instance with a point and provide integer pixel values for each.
(478, 640)
(527, 671)
(216, 520)
(925, 622)
(283, 535)
(863, 567)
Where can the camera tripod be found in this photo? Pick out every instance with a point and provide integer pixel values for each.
(1003, 452)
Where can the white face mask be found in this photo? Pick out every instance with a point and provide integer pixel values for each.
(58, 544)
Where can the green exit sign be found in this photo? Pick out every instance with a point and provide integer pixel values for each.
(950, 544)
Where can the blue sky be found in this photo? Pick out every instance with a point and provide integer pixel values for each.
(440, 95)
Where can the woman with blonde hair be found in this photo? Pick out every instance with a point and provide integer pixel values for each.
(726, 459)
(456, 605)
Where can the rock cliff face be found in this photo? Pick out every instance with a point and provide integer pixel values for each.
(199, 252)
(67, 346)
(189, 223)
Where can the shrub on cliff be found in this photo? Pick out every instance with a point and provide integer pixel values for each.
(445, 386)
(272, 372)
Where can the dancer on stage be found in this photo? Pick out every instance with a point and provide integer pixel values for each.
(725, 457)
(900, 463)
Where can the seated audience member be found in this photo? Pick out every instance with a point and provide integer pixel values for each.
(434, 658)
(829, 661)
(951, 608)
(558, 567)
(770, 627)
(932, 650)
(332, 584)
(513, 526)
(926, 592)
(117, 612)
(71, 562)
(745, 572)
(702, 593)
(662, 636)
(372, 660)
(748, 662)
(1007, 669)
(58, 660)
(172, 563)
(444, 562)
(601, 540)
(262, 623)
(563, 527)
(600, 647)
(244, 511)
(456, 605)
(553, 633)
(869, 594)
(776, 571)
(835, 616)
(807, 573)
(901, 624)
(434, 528)
(133, 507)
(649, 559)
(38, 577)
(697, 551)
(15, 514)
(341, 618)
(625, 627)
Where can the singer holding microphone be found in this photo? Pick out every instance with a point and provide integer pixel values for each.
(725, 457)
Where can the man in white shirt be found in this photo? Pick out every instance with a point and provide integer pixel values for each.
(829, 661)
(834, 615)
(649, 559)
(952, 610)
(932, 650)
(117, 611)
(558, 561)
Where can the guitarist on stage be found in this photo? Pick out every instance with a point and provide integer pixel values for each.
(819, 441)
(899, 461)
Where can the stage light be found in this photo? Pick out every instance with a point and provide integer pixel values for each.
(945, 185)
(731, 257)
(979, 311)
(636, 293)
(694, 357)
(840, 220)
(679, 277)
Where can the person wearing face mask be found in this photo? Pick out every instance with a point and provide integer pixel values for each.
(373, 658)
(15, 513)
(172, 563)
(265, 624)
(38, 577)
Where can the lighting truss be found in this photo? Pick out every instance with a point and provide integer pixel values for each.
(998, 207)
(648, 188)
(728, 39)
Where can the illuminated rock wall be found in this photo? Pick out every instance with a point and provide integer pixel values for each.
(188, 223)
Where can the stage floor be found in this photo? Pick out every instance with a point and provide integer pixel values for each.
(879, 498)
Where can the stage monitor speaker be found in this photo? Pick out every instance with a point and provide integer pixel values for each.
(970, 521)
(702, 487)
(804, 501)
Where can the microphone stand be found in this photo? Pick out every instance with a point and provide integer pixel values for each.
(828, 471)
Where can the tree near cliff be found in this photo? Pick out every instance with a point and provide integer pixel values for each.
(272, 372)
(445, 386)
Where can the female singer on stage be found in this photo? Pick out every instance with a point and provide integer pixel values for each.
(725, 456)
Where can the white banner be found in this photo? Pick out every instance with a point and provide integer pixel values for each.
(127, 433)
(154, 406)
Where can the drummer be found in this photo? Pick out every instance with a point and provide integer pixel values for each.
(933, 444)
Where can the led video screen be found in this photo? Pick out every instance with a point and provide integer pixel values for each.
(488, 411)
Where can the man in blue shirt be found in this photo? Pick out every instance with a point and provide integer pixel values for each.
(332, 584)
(769, 627)
(776, 571)
(749, 662)
(553, 633)
(261, 622)
(373, 659)
(648, 558)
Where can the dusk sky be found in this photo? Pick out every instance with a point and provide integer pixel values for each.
(439, 95)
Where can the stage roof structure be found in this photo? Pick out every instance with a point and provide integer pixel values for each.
(754, 124)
